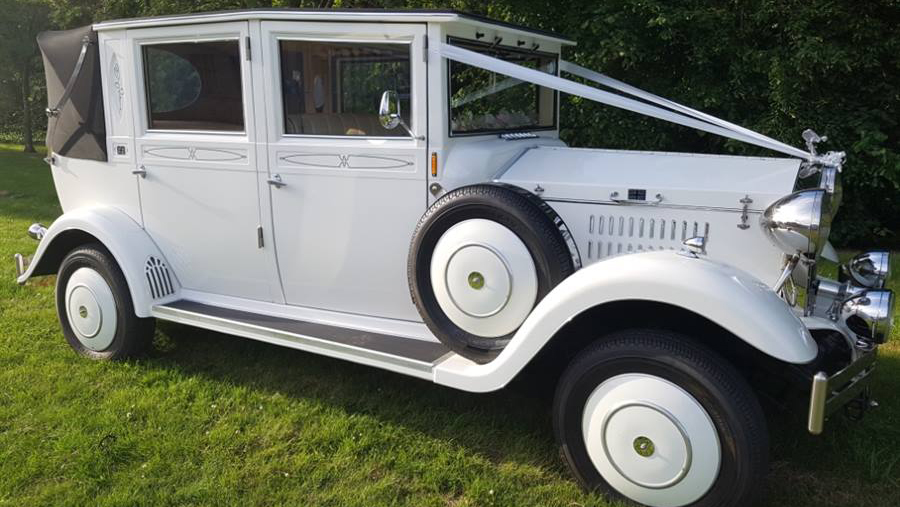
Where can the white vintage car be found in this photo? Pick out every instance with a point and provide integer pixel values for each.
(390, 188)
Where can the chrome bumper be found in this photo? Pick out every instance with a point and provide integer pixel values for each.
(828, 394)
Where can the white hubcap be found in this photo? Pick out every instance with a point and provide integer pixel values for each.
(483, 277)
(91, 309)
(651, 440)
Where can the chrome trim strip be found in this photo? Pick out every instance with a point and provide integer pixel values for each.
(668, 206)
(312, 344)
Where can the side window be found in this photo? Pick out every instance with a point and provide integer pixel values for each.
(194, 86)
(334, 88)
(482, 101)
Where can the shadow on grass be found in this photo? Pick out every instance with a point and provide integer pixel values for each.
(513, 424)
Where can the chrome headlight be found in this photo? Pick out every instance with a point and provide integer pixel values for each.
(870, 314)
(799, 222)
(869, 269)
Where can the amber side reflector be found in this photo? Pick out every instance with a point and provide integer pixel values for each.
(434, 163)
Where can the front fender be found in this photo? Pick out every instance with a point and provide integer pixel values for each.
(725, 295)
(125, 239)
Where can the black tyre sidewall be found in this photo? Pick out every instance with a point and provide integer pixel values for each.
(530, 224)
(742, 452)
(132, 333)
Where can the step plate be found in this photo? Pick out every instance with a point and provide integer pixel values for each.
(395, 353)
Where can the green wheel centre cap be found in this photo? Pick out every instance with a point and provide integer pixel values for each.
(476, 280)
(644, 446)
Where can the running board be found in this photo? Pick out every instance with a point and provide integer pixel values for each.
(403, 355)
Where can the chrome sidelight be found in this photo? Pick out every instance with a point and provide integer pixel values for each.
(37, 232)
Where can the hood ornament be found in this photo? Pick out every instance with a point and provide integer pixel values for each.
(812, 139)
(815, 162)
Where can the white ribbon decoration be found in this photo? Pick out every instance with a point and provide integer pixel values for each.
(684, 116)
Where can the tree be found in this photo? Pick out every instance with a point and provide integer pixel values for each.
(22, 20)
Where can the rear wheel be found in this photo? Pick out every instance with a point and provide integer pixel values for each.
(649, 416)
(95, 307)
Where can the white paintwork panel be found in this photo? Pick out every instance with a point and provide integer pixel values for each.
(199, 199)
(721, 293)
(343, 221)
(85, 183)
(129, 245)
(683, 179)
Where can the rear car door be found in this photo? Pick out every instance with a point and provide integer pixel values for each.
(195, 148)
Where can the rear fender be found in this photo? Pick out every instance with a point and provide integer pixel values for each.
(729, 297)
(149, 278)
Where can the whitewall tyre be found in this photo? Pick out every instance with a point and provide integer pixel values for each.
(480, 259)
(652, 417)
(95, 307)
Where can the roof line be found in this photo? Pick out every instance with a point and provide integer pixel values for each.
(364, 13)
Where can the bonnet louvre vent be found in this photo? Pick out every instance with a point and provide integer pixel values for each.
(159, 281)
(612, 234)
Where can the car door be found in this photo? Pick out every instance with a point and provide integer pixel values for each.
(197, 157)
(346, 193)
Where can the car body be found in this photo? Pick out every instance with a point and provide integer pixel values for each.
(291, 176)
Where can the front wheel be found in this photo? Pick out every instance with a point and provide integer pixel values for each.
(649, 416)
(95, 307)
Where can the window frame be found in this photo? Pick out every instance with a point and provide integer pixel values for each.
(282, 132)
(140, 44)
(481, 132)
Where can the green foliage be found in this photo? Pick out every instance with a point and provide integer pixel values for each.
(776, 66)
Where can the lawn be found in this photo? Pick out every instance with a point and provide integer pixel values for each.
(209, 419)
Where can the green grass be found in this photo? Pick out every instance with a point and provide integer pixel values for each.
(210, 419)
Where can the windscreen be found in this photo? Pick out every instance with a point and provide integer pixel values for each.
(482, 101)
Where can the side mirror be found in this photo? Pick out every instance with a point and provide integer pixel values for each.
(389, 113)
(389, 110)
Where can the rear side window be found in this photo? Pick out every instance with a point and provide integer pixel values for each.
(334, 88)
(194, 86)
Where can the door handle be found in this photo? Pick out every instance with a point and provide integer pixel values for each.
(140, 171)
(276, 181)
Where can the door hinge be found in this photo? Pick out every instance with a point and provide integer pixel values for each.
(745, 217)
(247, 54)
(259, 237)
(425, 44)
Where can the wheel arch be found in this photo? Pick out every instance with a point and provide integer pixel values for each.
(128, 243)
(582, 332)
(653, 289)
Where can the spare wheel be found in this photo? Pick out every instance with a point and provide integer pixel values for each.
(481, 258)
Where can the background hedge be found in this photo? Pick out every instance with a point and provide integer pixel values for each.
(776, 66)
